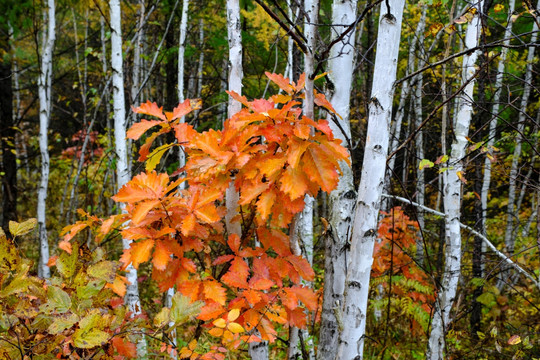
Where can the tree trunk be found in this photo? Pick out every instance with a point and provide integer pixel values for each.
(342, 199)
(8, 166)
(452, 198)
(44, 90)
(512, 211)
(351, 340)
(122, 167)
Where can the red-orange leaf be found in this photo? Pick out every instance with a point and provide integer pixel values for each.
(211, 310)
(302, 266)
(181, 110)
(281, 81)
(293, 183)
(237, 274)
(140, 252)
(136, 131)
(124, 347)
(320, 169)
(214, 291)
(265, 203)
(150, 108)
(142, 209)
(306, 295)
(162, 255)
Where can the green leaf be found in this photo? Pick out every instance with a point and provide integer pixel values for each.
(19, 284)
(90, 339)
(18, 229)
(91, 289)
(425, 163)
(155, 156)
(67, 263)
(88, 335)
(183, 309)
(487, 299)
(9, 258)
(103, 270)
(62, 322)
(162, 318)
(58, 300)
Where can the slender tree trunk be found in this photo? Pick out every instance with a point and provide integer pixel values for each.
(8, 117)
(419, 140)
(303, 224)
(453, 196)
(45, 89)
(122, 167)
(351, 340)
(512, 211)
(341, 200)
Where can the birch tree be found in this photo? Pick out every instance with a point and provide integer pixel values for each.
(452, 196)
(301, 240)
(44, 92)
(351, 340)
(341, 200)
(512, 211)
(122, 167)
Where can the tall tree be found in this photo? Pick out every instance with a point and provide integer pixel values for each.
(341, 200)
(132, 299)
(452, 195)
(8, 167)
(364, 233)
(44, 90)
(512, 211)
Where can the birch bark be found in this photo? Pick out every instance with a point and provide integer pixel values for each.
(44, 90)
(452, 196)
(351, 340)
(341, 201)
(512, 211)
(303, 224)
(122, 167)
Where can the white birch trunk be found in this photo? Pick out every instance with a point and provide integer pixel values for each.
(342, 199)
(303, 224)
(420, 178)
(452, 196)
(512, 211)
(44, 92)
(364, 233)
(122, 167)
(137, 60)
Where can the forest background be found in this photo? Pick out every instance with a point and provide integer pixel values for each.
(379, 201)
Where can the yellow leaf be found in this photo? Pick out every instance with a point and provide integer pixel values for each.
(220, 323)
(155, 156)
(235, 328)
(18, 229)
(498, 8)
(514, 340)
(216, 332)
(233, 315)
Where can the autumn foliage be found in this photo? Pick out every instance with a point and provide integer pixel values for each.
(246, 283)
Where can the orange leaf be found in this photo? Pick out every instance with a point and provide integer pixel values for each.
(265, 203)
(252, 296)
(73, 230)
(161, 256)
(65, 245)
(281, 81)
(237, 274)
(306, 295)
(140, 252)
(239, 98)
(150, 108)
(210, 311)
(234, 243)
(320, 100)
(142, 209)
(188, 225)
(118, 286)
(214, 291)
(302, 267)
(181, 110)
(124, 347)
(136, 131)
(293, 183)
(52, 260)
(106, 225)
(320, 169)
